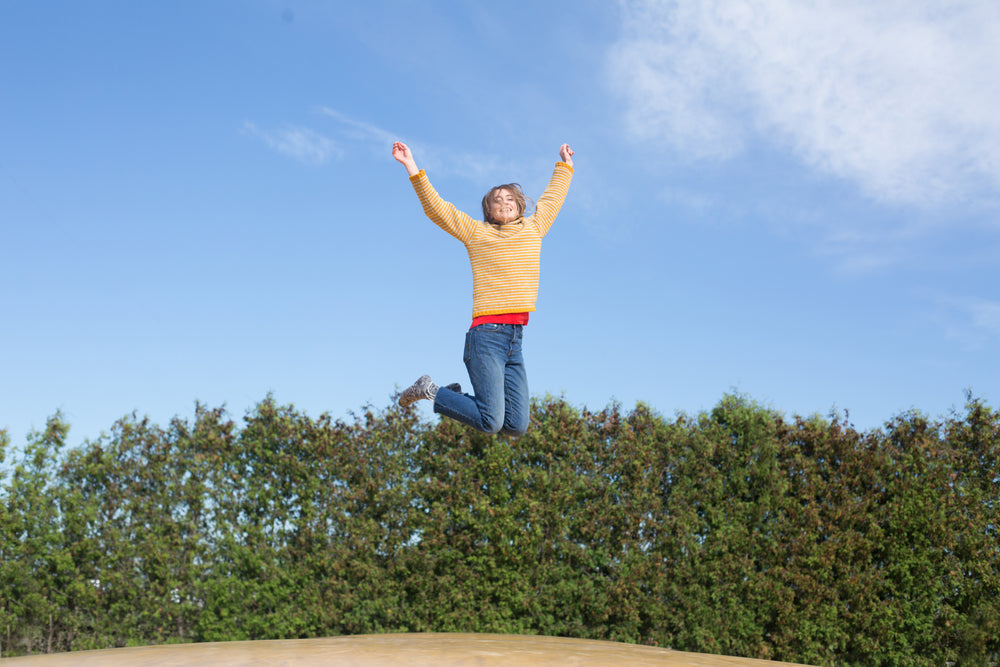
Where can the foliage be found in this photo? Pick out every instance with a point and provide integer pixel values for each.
(735, 531)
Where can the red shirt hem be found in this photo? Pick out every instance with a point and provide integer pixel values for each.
(502, 318)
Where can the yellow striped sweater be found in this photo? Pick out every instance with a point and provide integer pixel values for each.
(505, 258)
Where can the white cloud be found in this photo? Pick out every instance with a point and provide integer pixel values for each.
(299, 143)
(985, 316)
(972, 321)
(898, 96)
(359, 129)
(436, 159)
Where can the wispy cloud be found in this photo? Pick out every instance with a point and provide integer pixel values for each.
(353, 137)
(986, 315)
(436, 158)
(299, 143)
(969, 320)
(358, 129)
(899, 97)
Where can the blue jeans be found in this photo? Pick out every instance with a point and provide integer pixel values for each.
(500, 400)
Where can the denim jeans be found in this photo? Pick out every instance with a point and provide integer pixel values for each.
(500, 399)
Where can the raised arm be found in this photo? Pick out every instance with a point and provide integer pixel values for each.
(444, 214)
(548, 205)
(402, 153)
(566, 154)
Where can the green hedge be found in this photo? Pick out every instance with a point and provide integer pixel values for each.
(735, 532)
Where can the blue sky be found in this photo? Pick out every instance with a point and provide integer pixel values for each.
(796, 201)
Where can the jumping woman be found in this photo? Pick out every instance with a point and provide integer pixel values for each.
(505, 251)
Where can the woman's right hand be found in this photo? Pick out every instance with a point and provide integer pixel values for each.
(402, 153)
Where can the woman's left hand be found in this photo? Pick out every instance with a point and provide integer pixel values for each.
(566, 154)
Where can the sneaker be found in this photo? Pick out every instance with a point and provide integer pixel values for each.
(421, 389)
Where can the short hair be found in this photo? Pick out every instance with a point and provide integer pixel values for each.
(515, 189)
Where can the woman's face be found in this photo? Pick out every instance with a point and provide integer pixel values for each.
(503, 207)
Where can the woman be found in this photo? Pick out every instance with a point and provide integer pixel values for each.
(505, 250)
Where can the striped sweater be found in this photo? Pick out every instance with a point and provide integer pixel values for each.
(505, 258)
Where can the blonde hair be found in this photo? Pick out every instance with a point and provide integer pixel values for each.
(514, 189)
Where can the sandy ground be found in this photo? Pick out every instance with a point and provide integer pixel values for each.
(414, 650)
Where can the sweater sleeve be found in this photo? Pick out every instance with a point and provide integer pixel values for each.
(551, 201)
(444, 214)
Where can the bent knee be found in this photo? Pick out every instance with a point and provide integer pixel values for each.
(493, 425)
(516, 429)
(490, 425)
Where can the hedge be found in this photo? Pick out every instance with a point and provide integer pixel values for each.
(737, 531)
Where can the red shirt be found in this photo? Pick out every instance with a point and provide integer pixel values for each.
(502, 318)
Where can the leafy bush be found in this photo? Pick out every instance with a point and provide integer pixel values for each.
(736, 531)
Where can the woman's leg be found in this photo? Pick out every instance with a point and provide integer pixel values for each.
(486, 354)
(516, 397)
